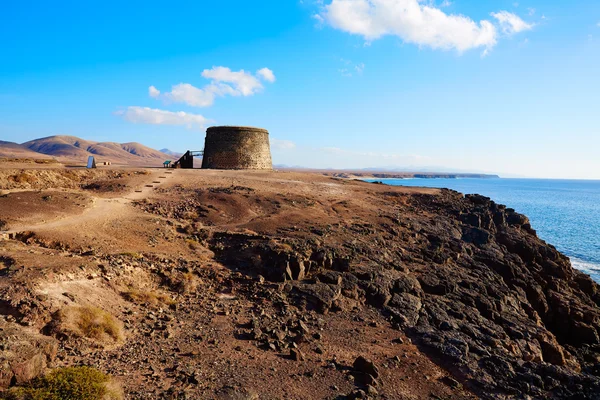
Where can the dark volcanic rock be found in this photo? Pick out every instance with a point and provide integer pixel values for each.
(467, 279)
(366, 366)
(25, 355)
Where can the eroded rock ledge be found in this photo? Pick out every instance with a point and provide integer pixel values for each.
(466, 278)
(301, 286)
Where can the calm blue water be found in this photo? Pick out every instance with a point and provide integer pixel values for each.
(565, 213)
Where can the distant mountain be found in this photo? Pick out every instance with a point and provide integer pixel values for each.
(171, 153)
(74, 149)
(15, 150)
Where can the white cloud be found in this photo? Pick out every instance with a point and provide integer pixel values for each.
(598, 24)
(266, 74)
(224, 82)
(319, 20)
(243, 82)
(146, 115)
(345, 73)
(531, 11)
(282, 144)
(191, 95)
(349, 68)
(410, 20)
(511, 23)
(153, 92)
(417, 22)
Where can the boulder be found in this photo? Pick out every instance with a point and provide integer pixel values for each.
(24, 354)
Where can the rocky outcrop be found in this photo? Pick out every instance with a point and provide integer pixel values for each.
(24, 355)
(354, 289)
(466, 278)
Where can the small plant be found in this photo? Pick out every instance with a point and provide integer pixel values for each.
(190, 215)
(81, 383)
(146, 297)
(282, 247)
(184, 282)
(95, 323)
(135, 256)
(192, 244)
(24, 177)
(90, 322)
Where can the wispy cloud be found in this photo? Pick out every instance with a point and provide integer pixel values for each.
(223, 82)
(319, 20)
(417, 22)
(279, 144)
(191, 95)
(146, 115)
(266, 74)
(511, 23)
(349, 68)
(153, 92)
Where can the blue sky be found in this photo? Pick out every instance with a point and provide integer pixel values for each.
(504, 87)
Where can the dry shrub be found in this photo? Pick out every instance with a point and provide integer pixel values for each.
(24, 177)
(191, 215)
(135, 256)
(184, 282)
(91, 323)
(147, 297)
(192, 244)
(281, 247)
(45, 161)
(82, 383)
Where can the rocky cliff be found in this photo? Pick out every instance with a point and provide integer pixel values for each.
(324, 288)
(466, 278)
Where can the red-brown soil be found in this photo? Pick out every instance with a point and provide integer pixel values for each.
(247, 285)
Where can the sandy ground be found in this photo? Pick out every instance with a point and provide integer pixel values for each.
(63, 252)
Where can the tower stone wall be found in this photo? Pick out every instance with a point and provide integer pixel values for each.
(237, 147)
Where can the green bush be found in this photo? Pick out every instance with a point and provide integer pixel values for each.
(72, 383)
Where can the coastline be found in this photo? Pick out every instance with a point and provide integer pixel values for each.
(349, 174)
(295, 269)
(590, 268)
(564, 212)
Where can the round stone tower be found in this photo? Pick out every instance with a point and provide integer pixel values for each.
(237, 147)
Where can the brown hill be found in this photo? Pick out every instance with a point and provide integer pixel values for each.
(15, 150)
(140, 150)
(74, 149)
(58, 146)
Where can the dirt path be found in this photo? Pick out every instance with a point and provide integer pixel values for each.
(103, 210)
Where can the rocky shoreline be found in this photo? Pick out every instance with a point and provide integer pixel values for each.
(305, 279)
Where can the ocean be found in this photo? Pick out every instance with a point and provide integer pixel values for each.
(565, 213)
